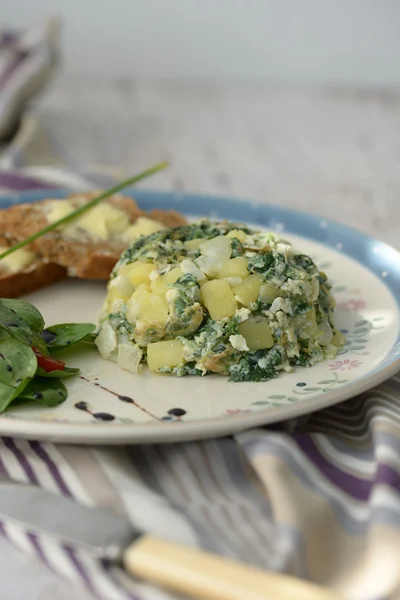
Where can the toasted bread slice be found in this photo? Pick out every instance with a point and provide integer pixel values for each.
(87, 248)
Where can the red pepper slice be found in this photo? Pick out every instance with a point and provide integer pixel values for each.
(48, 363)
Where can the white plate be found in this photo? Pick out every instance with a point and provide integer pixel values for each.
(110, 406)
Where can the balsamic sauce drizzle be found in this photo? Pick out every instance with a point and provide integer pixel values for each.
(126, 399)
(100, 416)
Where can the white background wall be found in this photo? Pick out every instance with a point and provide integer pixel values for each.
(308, 40)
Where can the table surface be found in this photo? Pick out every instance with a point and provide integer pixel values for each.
(329, 151)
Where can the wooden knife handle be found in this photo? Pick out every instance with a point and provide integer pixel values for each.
(203, 576)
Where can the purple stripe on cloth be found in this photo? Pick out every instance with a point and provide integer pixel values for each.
(109, 569)
(13, 65)
(3, 470)
(355, 487)
(386, 475)
(10, 444)
(22, 183)
(7, 38)
(33, 538)
(52, 467)
(80, 569)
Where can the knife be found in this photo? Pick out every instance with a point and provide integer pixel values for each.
(176, 568)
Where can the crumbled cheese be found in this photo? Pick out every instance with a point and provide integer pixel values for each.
(171, 295)
(117, 306)
(239, 343)
(285, 249)
(242, 314)
(154, 275)
(277, 304)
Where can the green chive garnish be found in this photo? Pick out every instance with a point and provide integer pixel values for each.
(82, 209)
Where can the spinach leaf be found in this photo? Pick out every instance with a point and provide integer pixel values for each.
(7, 395)
(17, 367)
(19, 329)
(49, 392)
(67, 372)
(27, 312)
(17, 361)
(67, 334)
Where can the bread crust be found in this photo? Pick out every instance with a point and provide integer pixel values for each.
(13, 285)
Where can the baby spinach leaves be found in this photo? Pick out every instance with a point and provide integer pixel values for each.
(24, 342)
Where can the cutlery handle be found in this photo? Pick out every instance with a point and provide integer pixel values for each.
(205, 576)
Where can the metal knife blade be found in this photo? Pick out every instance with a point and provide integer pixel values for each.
(100, 531)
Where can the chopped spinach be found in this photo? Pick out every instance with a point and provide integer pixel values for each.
(300, 305)
(261, 365)
(237, 248)
(261, 262)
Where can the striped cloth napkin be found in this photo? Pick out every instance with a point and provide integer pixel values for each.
(317, 498)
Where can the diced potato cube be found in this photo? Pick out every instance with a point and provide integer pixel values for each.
(140, 273)
(218, 298)
(237, 233)
(135, 302)
(171, 276)
(235, 267)
(311, 319)
(153, 309)
(119, 288)
(194, 244)
(218, 247)
(249, 290)
(257, 333)
(164, 354)
(145, 306)
(338, 339)
(269, 292)
(137, 272)
(159, 288)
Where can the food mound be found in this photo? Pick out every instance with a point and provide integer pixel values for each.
(220, 298)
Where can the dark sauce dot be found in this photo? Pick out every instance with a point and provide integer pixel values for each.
(38, 396)
(301, 384)
(9, 368)
(344, 331)
(97, 384)
(177, 412)
(81, 405)
(126, 399)
(48, 336)
(103, 416)
(166, 418)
